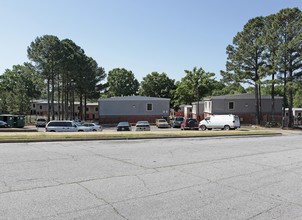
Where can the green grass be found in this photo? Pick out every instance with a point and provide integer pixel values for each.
(127, 135)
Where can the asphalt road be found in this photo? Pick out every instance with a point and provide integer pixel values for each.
(198, 178)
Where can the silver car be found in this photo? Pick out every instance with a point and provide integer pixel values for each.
(93, 126)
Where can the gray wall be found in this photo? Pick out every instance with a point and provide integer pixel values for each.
(221, 106)
(133, 107)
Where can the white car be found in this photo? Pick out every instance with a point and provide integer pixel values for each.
(225, 122)
(142, 126)
(93, 126)
(64, 126)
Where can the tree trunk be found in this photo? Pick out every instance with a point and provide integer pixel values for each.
(81, 108)
(260, 104)
(257, 104)
(284, 102)
(273, 98)
(48, 99)
(59, 96)
(290, 101)
(52, 95)
(85, 106)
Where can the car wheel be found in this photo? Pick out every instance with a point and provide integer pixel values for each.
(191, 124)
(203, 127)
(226, 128)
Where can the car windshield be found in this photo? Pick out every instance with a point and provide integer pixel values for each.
(191, 119)
(161, 120)
(179, 119)
(142, 123)
(123, 124)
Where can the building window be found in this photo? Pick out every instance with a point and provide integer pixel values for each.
(96, 109)
(40, 106)
(34, 105)
(87, 109)
(149, 107)
(231, 105)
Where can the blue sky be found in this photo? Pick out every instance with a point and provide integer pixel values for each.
(140, 35)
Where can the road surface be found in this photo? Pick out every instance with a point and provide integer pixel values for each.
(196, 178)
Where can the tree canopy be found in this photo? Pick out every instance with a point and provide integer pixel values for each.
(69, 73)
(195, 85)
(18, 87)
(121, 82)
(157, 85)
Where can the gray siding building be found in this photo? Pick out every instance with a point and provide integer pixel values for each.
(133, 109)
(243, 105)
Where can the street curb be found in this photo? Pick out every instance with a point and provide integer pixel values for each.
(134, 138)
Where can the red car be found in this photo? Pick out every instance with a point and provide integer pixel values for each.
(189, 123)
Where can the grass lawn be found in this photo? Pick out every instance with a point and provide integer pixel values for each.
(44, 136)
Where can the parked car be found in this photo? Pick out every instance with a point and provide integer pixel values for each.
(189, 123)
(142, 126)
(64, 126)
(3, 124)
(176, 121)
(124, 126)
(41, 122)
(93, 126)
(225, 122)
(161, 123)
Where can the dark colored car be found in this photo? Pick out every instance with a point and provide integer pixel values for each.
(190, 124)
(176, 121)
(3, 124)
(124, 126)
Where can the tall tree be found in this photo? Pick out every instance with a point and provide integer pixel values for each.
(271, 49)
(45, 51)
(93, 76)
(288, 24)
(121, 82)
(246, 56)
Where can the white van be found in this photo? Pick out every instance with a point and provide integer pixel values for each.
(225, 122)
(64, 126)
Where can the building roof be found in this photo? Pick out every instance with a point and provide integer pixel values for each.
(240, 96)
(133, 98)
(43, 101)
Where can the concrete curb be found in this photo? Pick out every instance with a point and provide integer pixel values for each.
(133, 138)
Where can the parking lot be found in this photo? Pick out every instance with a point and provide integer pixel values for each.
(110, 128)
(193, 178)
